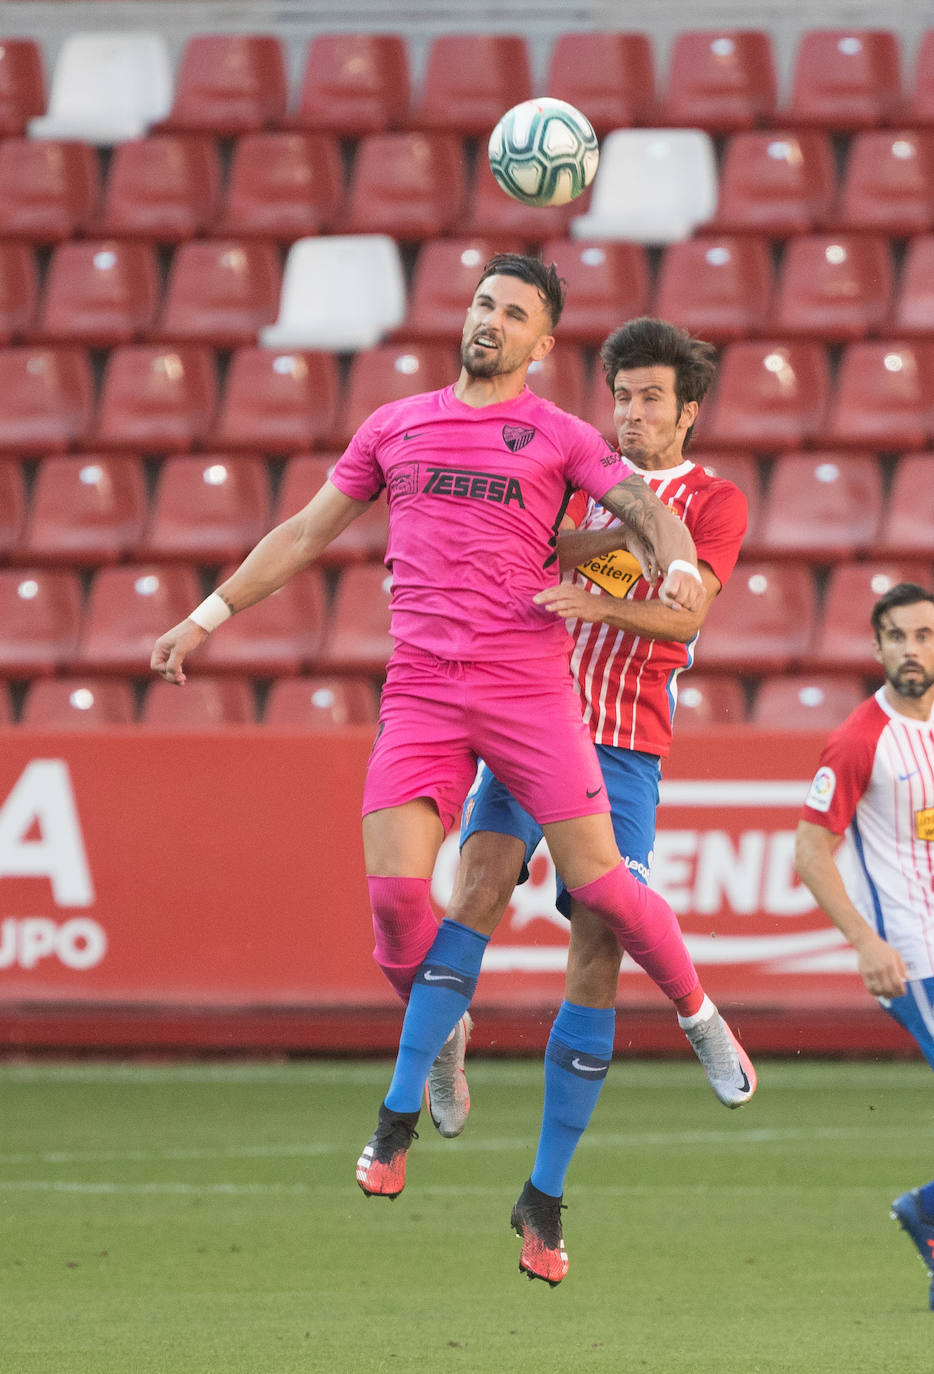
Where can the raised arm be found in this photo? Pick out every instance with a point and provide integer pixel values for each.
(668, 546)
(278, 556)
(881, 967)
(650, 619)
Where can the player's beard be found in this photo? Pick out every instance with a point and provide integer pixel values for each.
(913, 686)
(480, 362)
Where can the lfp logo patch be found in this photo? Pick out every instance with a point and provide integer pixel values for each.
(822, 789)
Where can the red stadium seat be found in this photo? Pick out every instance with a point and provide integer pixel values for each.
(208, 508)
(844, 640)
(321, 703)
(405, 184)
(821, 507)
(888, 183)
(303, 475)
(204, 702)
(835, 287)
(156, 398)
(743, 470)
(85, 509)
(40, 612)
(19, 289)
(357, 638)
(443, 281)
(705, 700)
(99, 292)
(283, 186)
(22, 84)
(46, 397)
(278, 401)
(128, 607)
(769, 396)
(490, 213)
(775, 182)
(228, 84)
(220, 292)
(6, 705)
(775, 606)
(607, 283)
(717, 287)
(919, 108)
(913, 312)
(12, 505)
(611, 76)
(354, 84)
(49, 190)
(720, 80)
(78, 703)
(278, 637)
(884, 396)
(364, 539)
(388, 373)
(806, 701)
(562, 378)
(470, 80)
(908, 517)
(845, 79)
(165, 187)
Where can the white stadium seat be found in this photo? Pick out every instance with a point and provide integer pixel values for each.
(107, 88)
(652, 186)
(342, 293)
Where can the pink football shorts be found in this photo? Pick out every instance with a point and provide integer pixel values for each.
(523, 719)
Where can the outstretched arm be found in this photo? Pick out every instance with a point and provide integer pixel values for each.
(881, 967)
(278, 556)
(650, 619)
(665, 539)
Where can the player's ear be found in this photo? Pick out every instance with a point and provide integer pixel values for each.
(544, 346)
(877, 650)
(688, 415)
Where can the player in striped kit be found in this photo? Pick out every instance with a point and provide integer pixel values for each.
(874, 787)
(658, 375)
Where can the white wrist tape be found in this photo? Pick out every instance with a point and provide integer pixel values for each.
(212, 612)
(681, 565)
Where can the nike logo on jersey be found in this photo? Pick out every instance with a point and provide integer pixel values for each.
(416, 435)
(903, 777)
(595, 793)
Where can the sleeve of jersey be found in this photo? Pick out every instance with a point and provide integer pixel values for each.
(591, 463)
(719, 528)
(843, 773)
(577, 509)
(357, 472)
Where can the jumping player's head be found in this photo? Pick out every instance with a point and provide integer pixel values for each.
(510, 320)
(903, 623)
(658, 375)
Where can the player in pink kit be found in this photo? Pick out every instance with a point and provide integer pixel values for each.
(477, 478)
(874, 786)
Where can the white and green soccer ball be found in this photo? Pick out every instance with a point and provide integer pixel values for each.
(544, 152)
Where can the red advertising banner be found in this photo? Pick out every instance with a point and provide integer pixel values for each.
(217, 881)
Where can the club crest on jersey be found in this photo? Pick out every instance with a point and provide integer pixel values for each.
(517, 436)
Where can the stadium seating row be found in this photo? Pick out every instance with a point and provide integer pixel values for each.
(772, 395)
(412, 185)
(86, 510)
(106, 85)
(806, 701)
(224, 292)
(50, 627)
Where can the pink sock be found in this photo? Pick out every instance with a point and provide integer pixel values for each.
(404, 925)
(645, 926)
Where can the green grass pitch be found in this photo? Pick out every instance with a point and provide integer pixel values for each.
(203, 1217)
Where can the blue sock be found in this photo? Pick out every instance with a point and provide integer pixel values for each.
(927, 1199)
(578, 1055)
(441, 993)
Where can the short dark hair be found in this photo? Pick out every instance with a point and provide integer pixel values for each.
(550, 286)
(902, 594)
(648, 342)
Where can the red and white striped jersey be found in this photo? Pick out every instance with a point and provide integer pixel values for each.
(875, 785)
(628, 683)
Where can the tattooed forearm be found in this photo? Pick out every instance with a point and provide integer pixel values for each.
(633, 502)
(658, 529)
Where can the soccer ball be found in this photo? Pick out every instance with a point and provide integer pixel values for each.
(544, 152)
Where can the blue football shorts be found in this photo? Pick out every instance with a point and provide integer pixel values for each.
(631, 780)
(915, 1011)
